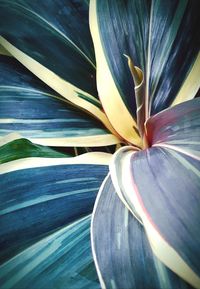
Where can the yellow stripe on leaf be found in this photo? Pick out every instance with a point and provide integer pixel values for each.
(113, 105)
(67, 90)
(191, 85)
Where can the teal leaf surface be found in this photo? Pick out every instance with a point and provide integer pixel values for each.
(45, 221)
(61, 260)
(54, 33)
(36, 201)
(41, 114)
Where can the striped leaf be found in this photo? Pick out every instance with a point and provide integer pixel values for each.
(52, 44)
(161, 186)
(109, 94)
(61, 260)
(161, 38)
(42, 115)
(44, 234)
(177, 127)
(55, 38)
(13, 147)
(122, 254)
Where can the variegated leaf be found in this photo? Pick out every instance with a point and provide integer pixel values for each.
(45, 219)
(122, 254)
(41, 114)
(161, 186)
(162, 39)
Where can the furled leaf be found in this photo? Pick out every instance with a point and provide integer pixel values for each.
(161, 186)
(36, 112)
(122, 254)
(43, 240)
(161, 38)
(109, 94)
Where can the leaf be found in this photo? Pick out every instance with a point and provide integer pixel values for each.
(44, 238)
(22, 148)
(3, 51)
(162, 38)
(63, 56)
(177, 127)
(62, 259)
(13, 146)
(122, 254)
(51, 34)
(14, 159)
(110, 94)
(161, 186)
(42, 115)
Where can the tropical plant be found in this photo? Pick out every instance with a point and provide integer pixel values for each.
(122, 120)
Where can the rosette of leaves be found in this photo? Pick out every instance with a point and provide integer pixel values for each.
(99, 120)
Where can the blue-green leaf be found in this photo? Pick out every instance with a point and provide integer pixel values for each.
(161, 37)
(43, 240)
(55, 195)
(50, 32)
(122, 253)
(41, 114)
(46, 45)
(61, 260)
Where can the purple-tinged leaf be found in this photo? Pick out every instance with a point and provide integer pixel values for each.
(122, 254)
(161, 186)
